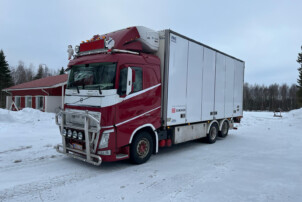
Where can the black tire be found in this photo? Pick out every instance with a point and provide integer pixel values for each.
(224, 129)
(213, 133)
(141, 148)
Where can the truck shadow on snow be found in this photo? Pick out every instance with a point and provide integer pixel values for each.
(166, 153)
(199, 144)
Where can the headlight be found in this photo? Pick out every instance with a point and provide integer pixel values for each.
(104, 140)
(64, 132)
(74, 134)
(80, 136)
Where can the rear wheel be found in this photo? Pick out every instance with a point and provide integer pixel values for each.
(141, 148)
(212, 135)
(224, 129)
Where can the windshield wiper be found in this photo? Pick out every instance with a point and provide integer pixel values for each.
(78, 89)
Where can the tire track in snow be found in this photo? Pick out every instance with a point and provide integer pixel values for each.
(16, 150)
(32, 162)
(36, 187)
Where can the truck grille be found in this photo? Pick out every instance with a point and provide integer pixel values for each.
(76, 118)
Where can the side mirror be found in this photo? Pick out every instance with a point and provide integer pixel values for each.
(129, 80)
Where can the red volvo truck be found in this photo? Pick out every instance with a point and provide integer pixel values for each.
(132, 91)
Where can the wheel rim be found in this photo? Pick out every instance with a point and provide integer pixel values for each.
(224, 128)
(143, 148)
(213, 133)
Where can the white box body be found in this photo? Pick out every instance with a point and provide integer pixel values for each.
(199, 83)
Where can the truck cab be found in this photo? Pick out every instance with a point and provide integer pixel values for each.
(111, 95)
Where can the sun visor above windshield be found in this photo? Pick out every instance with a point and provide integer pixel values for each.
(92, 59)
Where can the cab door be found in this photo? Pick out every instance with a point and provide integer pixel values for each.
(141, 106)
(130, 110)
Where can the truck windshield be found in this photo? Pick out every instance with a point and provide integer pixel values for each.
(92, 76)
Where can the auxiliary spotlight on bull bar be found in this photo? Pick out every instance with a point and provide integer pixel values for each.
(86, 155)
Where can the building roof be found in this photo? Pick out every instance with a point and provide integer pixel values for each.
(48, 82)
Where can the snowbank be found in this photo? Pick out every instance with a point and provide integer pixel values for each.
(5, 116)
(26, 115)
(295, 114)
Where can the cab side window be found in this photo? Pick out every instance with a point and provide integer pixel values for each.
(138, 84)
(122, 87)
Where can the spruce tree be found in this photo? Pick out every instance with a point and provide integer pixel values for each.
(40, 73)
(5, 78)
(62, 71)
(299, 80)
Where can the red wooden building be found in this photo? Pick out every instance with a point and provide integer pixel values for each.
(46, 94)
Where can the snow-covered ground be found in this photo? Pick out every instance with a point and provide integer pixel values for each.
(261, 161)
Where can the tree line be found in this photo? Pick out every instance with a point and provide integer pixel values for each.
(271, 98)
(23, 73)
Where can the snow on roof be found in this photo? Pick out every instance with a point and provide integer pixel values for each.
(48, 82)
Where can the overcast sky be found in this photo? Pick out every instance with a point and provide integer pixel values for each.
(267, 35)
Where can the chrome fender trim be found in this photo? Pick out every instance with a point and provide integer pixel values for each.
(146, 126)
(221, 122)
(210, 124)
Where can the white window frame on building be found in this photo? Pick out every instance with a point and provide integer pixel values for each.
(18, 101)
(38, 102)
(26, 101)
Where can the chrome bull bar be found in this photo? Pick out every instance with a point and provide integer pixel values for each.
(77, 154)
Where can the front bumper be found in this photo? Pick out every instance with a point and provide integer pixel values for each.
(94, 159)
(90, 140)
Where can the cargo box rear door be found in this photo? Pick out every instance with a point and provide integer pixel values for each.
(238, 88)
(229, 87)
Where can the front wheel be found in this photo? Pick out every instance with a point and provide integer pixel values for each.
(212, 135)
(141, 148)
